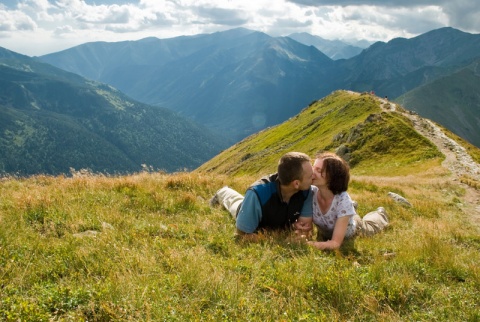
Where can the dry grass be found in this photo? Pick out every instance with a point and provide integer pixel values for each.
(148, 247)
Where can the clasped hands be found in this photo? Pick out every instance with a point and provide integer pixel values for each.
(303, 230)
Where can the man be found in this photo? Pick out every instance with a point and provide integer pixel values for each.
(275, 201)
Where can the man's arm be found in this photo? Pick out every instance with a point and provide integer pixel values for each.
(304, 225)
(249, 217)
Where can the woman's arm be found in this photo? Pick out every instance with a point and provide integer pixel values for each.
(338, 235)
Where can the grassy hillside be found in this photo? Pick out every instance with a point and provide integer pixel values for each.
(147, 246)
(377, 142)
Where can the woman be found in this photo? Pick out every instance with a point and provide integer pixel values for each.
(333, 210)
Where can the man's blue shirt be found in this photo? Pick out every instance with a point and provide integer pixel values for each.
(263, 207)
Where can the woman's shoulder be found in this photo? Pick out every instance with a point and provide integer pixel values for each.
(342, 196)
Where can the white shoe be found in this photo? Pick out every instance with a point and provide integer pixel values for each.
(383, 212)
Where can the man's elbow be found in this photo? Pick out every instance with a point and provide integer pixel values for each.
(246, 236)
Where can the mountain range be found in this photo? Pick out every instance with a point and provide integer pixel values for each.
(460, 92)
(53, 121)
(194, 96)
(335, 49)
(235, 82)
(240, 81)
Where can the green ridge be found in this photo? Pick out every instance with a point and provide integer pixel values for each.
(377, 142)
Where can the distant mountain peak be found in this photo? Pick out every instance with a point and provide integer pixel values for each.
(5, 53)
(335, 49)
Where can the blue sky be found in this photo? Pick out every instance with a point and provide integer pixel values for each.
(38, 27)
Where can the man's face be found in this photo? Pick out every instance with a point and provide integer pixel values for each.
(307, 176)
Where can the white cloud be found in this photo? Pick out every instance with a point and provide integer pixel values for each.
(464, 14)
(65, 30)
(380, 3)
(377, 23)
(221, 16)
(413, 16)
(35, 5)
(54, 24)
(15, 20)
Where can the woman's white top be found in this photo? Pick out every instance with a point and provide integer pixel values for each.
(341, 206)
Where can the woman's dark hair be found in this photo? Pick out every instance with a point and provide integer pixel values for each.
(337, 172)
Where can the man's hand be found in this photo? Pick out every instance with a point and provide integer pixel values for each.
(303, 226)
(303, 230)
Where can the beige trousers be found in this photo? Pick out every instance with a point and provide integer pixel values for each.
(372, 223)
(230, 199)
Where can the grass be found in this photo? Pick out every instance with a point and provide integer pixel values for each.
(147, 247)
(379, 142)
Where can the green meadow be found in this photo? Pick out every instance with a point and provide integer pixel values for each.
(148, 247)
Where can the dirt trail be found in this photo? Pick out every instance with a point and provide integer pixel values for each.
(457, 160)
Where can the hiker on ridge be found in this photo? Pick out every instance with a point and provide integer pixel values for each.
(334, 212)
(275, 201)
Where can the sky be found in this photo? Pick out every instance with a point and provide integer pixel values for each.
(39, 27)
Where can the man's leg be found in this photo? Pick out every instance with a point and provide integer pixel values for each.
(230, 199)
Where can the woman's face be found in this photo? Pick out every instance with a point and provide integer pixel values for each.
(319, 175)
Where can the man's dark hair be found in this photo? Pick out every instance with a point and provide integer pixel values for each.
(337, 172)
(290, 167)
